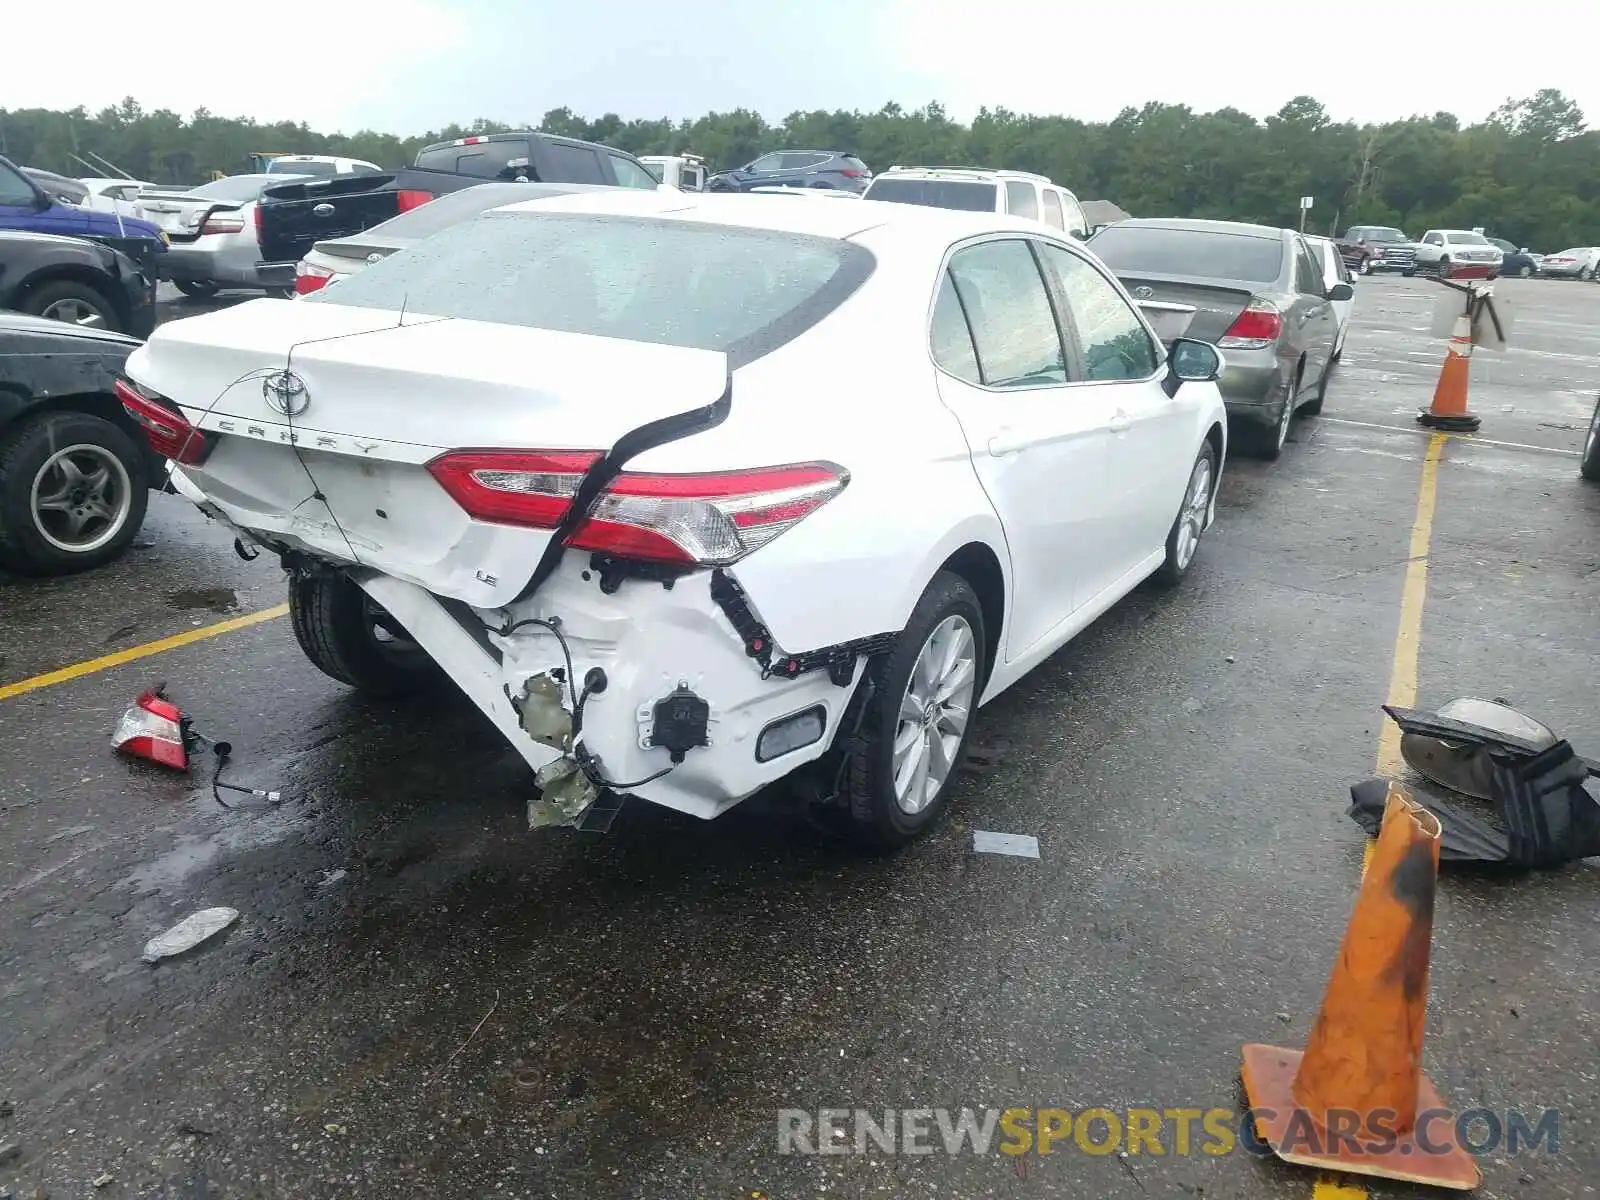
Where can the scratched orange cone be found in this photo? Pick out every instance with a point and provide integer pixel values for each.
(1449, 408)
(1356, 1099)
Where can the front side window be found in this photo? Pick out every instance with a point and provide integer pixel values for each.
(766, 164)
(1114, 341)
(631, 174)
(15, 191)
(1013, 326)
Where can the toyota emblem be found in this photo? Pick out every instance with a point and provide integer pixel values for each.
(285, 392)
(1144, 293)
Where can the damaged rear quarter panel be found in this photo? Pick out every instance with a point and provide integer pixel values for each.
(37, 368)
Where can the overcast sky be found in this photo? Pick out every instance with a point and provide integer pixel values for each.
(406, 66)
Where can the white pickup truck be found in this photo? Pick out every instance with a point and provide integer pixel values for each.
(1445, 250)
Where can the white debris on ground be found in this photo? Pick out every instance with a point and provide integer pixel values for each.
(189, 933)
(1019, 845)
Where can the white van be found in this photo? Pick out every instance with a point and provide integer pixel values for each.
(1019, 193)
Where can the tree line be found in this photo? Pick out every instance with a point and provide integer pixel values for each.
(1529, 172)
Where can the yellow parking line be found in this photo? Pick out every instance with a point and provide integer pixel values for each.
(134, 653)
(1403, 673)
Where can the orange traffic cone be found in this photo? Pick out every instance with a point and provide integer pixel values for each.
(1356, 1099)
(1449, 409)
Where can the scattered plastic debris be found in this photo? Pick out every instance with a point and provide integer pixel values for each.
(189, 933)
(329, 878)
(1019, 845)
(10, 1152)
(105, 1180)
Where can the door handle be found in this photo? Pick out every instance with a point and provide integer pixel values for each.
(1005, 442)
(1119, 422)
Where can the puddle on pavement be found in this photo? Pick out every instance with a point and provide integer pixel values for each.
(217, 600)
(193, 853)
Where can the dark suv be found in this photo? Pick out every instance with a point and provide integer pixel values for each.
(797, 168)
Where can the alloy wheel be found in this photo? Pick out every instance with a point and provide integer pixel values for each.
(81, 498)
(934, 712)
(76, 312)
(1192, 518)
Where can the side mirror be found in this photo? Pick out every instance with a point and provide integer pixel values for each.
(1191, 361)
(1341, 291)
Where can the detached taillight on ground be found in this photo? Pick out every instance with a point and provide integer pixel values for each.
(223, 223)
(169, 433)
(152, 729)
(1256, 328)
(310, 278)
(708, 519)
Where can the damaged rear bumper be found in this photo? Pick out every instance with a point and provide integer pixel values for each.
(651, 643)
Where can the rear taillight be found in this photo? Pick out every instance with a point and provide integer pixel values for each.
(310, 278)
(851, 173)
(1256, 328)
(710, 519)
(256, 217)
(167, 430)
(231, 223)
(408, 198)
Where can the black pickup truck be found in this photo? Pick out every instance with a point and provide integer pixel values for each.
(293, 216)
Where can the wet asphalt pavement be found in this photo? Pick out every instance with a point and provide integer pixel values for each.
(423, 999)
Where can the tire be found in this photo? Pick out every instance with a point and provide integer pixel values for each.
(1589, 464)
(1338, 346)
(1443, 267)
(83, 463)
(195, 289)
(879, 819)
(335, 623)
(1183, 539)
(73, 302)
(1266, 442)
(1366, 266)
(1313, 407)
(1525, 271)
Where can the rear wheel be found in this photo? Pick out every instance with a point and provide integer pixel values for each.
(72, 493)
(1366, 266)
(1444, 268)
(1313, 406)
(74, 303)
(195, 288)
(350, 638)
(1525, 270)
(1589, 464)
(913, 738)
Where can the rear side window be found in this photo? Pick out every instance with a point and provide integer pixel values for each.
(1052, 210)
(1013, 325)
(486, 160)
(949, 336)
(1308, 272)
(934, 193)
(1133, 249)
(800, 161)
(574, 164)
(1022, 200)
(743, 292)
(451, 207)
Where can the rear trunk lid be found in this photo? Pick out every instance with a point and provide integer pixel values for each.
(295, 216)
(1216, 304)
(381, 399)
(179, 215)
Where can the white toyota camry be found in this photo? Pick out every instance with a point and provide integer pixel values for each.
(689, 493)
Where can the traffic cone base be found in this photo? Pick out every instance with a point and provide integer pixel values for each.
(1430, 1154)
(1356, 1099)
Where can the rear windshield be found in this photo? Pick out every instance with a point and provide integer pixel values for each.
(743, 292)
(1466, 239)
(503, 160)
(1131, 249)
(934, 193)
(240, 187)
(312, 170)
